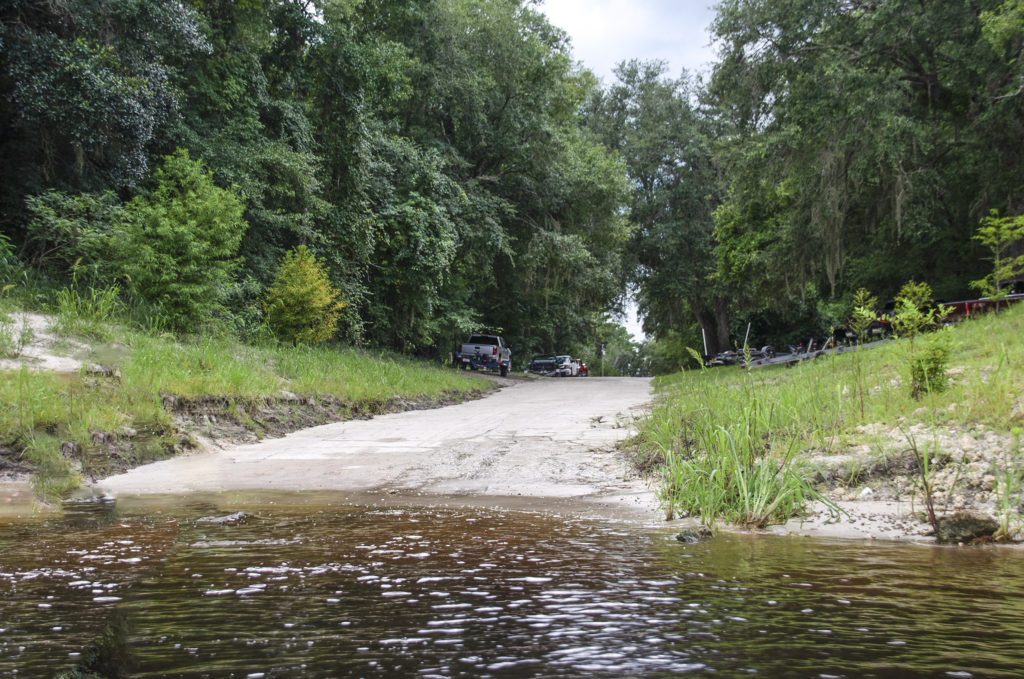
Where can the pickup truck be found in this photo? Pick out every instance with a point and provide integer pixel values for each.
(484, 352)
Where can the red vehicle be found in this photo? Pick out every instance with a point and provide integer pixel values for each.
(582, 372)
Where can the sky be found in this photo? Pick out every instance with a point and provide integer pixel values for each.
(605, 32)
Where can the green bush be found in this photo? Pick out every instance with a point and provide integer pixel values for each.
(301, 305)
(84, 234)
(8, 262)
(1000, 235)
(928, 367)
(182, 242)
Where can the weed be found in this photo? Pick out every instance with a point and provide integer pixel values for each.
(739, 467)
(928, 366)
(54, 474)
(925, 477)
(87, 314)
(1008, 486)
(14, 337)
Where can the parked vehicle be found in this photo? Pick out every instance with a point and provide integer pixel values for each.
(544, 364)
(557, 365)
(966, 308)
(484, 352)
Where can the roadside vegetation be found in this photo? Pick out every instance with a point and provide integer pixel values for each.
(746, 446)
(122, 408)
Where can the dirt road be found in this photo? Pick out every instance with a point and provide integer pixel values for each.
(537, 444)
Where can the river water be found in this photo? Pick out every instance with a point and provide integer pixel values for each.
(213, 587)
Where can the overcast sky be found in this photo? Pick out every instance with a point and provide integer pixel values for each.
(605, 32)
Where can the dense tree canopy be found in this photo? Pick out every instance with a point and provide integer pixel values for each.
(866, 140)
(432, 154)
(450, 168)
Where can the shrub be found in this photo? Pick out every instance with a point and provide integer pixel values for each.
(183, 238)
(928, 367)
(863, 313)
(301, 305)
(83, 233)
(915, 312)
(8, 262)
(1000, 235)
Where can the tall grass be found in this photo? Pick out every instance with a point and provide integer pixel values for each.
(86, 313)
(40, 412)
(735, 444)
(225, 367)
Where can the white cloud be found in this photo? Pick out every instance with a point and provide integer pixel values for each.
(605, 32)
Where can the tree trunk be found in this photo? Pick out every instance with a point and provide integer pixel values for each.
(722, 322)
(715, 325)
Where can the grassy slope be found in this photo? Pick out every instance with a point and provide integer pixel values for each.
(43, 413)
(710, 424)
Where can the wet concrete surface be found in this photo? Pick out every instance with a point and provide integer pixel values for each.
(535, 444)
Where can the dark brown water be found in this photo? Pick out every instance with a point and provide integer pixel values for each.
(293, 590)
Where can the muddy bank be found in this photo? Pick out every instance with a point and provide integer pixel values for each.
(879, 482)
(197, 424)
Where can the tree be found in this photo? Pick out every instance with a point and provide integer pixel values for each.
(862, 138)
(301, 305)
(1000, 235)
(489, 156)
(84, 87)
(656, 125)
(182, 239)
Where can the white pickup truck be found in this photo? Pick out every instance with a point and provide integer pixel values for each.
(484, 352)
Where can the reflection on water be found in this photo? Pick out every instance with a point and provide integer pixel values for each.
(295, 591)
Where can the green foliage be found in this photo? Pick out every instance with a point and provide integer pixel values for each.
(457, 169)
(925, 479)
(87, 314)
(739, 468)
(655, 125)
(918, 295)
(1008, 485)
(182, 241)
(85, 88)
(815, 408)
(811, 197)
(15, 331)
(84, 235)
(864, 313)
(1000, 235)
(301, 305)
(915, 311)
(928, 366)
(913, 315)
(8, 262)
